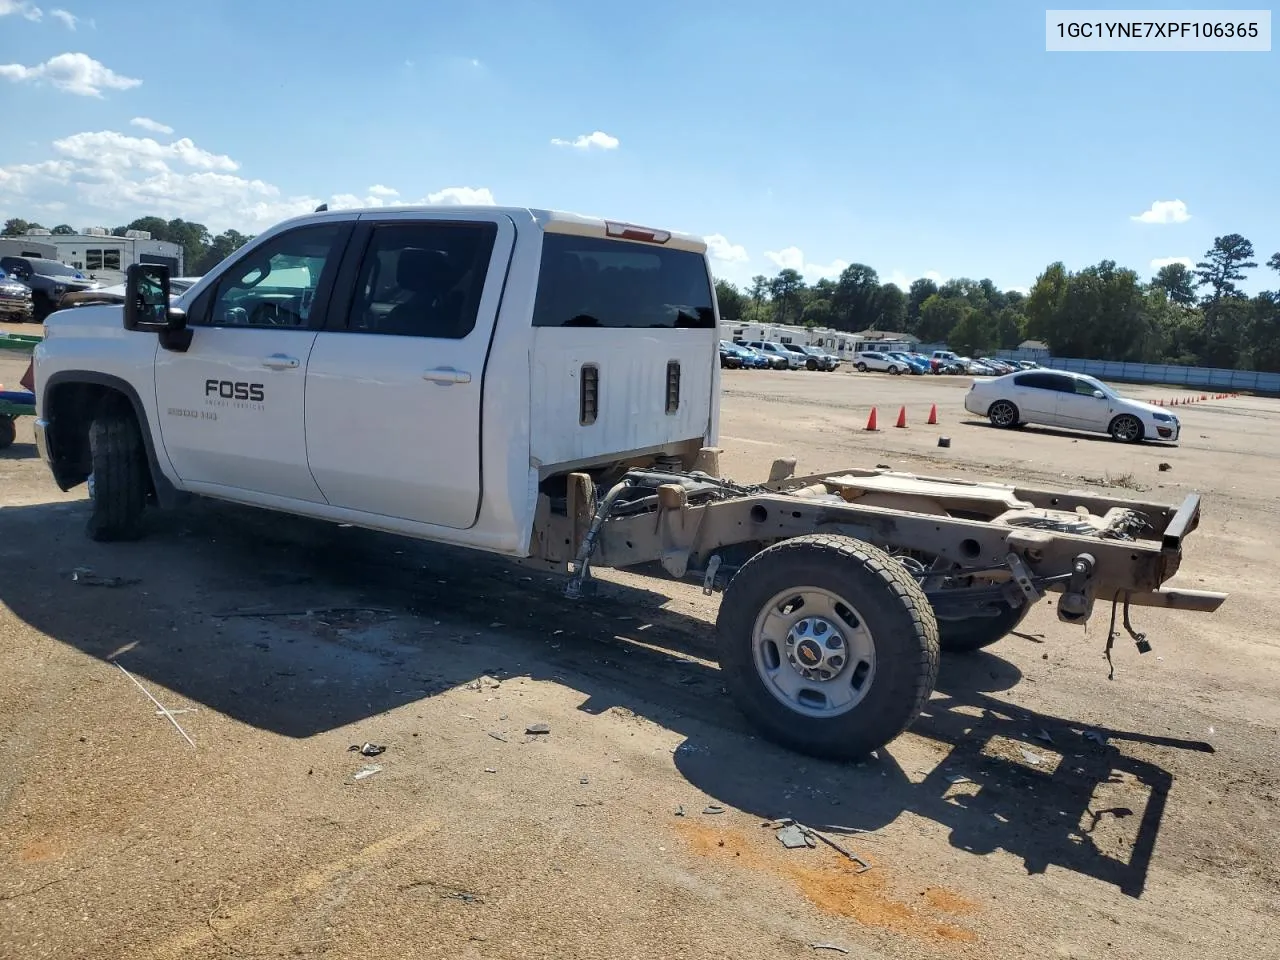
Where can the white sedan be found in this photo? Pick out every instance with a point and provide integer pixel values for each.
(1054, 398)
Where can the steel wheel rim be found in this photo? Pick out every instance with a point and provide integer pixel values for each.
(813, 652)
(1127, 428)
(1002, 413)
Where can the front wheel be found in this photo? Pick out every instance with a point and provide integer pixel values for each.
(862, 368)
(811, 364)
(1003, 414)
(828, 645)
(119, 483)
(1126, 429)
(895, 371)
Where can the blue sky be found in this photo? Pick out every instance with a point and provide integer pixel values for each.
(920, 138)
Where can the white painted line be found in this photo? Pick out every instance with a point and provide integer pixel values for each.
(763, 443)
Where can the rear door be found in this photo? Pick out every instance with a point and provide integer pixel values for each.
(1036, 396)
(395, 380)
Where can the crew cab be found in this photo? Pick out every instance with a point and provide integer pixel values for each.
(545, 386)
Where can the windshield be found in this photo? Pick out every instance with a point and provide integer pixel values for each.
(594, 282)
(52, 268)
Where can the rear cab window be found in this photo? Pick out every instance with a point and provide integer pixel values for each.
(599, 282)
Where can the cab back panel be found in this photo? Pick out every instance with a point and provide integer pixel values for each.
(625, 350)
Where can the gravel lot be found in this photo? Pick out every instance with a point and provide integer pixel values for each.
(474, 839)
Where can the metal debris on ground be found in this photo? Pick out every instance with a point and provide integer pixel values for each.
(367, 771)
(792, 837)
(959, 778)
(1043, 734)
(583, 780)
(680, 811)
(713, 809)
(497, 736)
(1031, 758)
(786, 824)
(537, 728)
(490, 770)
(87, 578)
(367, 749)
(828, 946)
(1095, 736)
(160, 708)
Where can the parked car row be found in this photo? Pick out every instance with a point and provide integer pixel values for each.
(768, 355)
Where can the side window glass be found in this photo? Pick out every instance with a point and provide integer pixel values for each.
(1084, 388)
(275, 284)
(1061, 384)
(422, 279)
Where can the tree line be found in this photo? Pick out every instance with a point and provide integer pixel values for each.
(201, 250)
(1194, 316)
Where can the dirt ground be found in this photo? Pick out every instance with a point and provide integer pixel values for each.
(634, 827)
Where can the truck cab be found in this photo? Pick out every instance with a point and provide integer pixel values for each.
(426, 371)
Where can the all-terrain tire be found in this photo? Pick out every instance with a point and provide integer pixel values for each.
(120, 479)
(966, 636)
(894, 611)
(8, 431)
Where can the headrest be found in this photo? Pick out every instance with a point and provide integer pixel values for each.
(423, 271)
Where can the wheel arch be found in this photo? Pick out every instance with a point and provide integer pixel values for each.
(69, 401)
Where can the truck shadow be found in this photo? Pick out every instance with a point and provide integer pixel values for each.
(298, 627)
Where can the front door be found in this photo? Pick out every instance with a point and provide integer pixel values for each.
(394, 389)
(231, 405)
(1081, 409)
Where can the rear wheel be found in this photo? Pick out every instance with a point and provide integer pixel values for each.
(118, 483)
(828, 645)
(862, 367)
(966, 636)
(1126, 429)
(1003, 414)
(8, 431)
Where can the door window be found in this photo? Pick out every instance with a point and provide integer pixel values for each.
(1047, 381)
(276, 284)
(1084, 388)
(422, 279)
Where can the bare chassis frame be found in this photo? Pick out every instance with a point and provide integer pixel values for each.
(700, 526)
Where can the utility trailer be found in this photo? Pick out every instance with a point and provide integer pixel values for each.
(839, 589)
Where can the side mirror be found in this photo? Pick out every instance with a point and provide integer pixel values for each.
(146, 299)
(1099, 395)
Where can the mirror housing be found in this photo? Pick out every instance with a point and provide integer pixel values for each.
(1098, 394)
(146, 300)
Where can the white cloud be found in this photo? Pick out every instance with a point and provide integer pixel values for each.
(903, 280)
(76, 73)
(1164, 211)
(721, 249)
(109, 148)
(108, 175)
(155, 126)
(66, 18)
(792, 258)
(587, 141)
(28, 11)
(1025, 291)
(1159, 262)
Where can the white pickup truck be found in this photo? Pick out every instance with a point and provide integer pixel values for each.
(546, 387)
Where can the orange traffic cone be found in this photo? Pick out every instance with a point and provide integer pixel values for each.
(902, 417)
(871, 420)
(933, 414)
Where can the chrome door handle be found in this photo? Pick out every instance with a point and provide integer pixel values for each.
(278, 361)
(447, 375)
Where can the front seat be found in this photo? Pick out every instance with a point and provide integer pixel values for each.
(427, 275)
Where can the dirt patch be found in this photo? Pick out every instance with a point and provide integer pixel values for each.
(831, 883)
